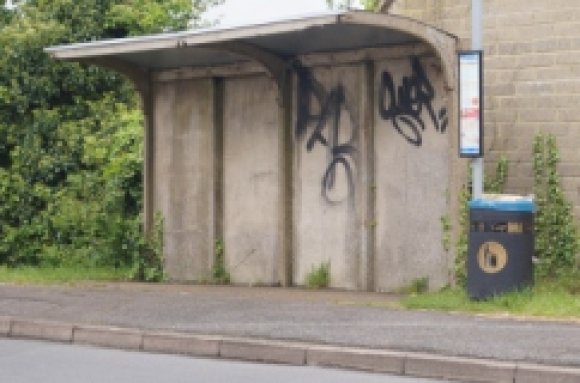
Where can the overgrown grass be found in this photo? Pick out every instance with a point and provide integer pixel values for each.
(65, 274)
(548, 298)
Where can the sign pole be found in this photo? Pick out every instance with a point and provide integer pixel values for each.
(476, 45)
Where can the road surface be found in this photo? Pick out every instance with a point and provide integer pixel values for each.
(23, 361)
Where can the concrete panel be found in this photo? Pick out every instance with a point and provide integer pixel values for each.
(412, 173)
(184, 188)
(251, 179)
(327, 209)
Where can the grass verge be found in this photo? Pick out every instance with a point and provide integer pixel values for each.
(547, 299)
(68, 274)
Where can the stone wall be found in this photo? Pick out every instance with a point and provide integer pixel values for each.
(532, 78)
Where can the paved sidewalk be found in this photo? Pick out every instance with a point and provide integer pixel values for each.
(355, 320)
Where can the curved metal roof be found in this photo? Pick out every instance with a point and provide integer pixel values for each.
(267, 42)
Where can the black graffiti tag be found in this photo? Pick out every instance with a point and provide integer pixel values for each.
(326, 128)
(404, 105)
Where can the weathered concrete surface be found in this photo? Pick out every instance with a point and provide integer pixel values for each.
(412, 179)
(251, 185)
(327, 210)
(184, 170)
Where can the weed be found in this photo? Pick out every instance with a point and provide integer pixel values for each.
(219, 274)
(446, 229)
(148, 262)
(319, 276)
(417, 286)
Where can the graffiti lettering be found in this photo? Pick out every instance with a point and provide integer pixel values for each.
(404, 105)
(326, 130)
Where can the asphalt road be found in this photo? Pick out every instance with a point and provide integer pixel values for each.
(31, 362)
(319, 317)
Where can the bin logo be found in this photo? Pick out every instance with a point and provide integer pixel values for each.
(492, 257)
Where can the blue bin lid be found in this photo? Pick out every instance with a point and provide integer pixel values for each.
(504, 202)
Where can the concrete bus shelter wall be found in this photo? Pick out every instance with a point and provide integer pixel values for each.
(372, 155)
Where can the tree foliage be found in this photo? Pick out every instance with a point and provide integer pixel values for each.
(70, 134)
(369, 5)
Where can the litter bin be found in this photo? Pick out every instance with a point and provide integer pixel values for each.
(501, 245)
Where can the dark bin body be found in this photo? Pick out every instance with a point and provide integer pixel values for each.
(501, 246)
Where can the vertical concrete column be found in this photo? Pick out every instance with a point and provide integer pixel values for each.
(218, 121)
(285, 151)
(148, 156)
(367, 266)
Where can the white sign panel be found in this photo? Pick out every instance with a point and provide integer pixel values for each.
(470, 104)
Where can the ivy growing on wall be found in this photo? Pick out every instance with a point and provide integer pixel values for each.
(556, 237)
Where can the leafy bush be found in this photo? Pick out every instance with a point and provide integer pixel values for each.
(71, 136)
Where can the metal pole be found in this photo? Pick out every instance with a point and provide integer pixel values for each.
(476, 44)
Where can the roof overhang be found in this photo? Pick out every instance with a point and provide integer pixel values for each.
(271, 44)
